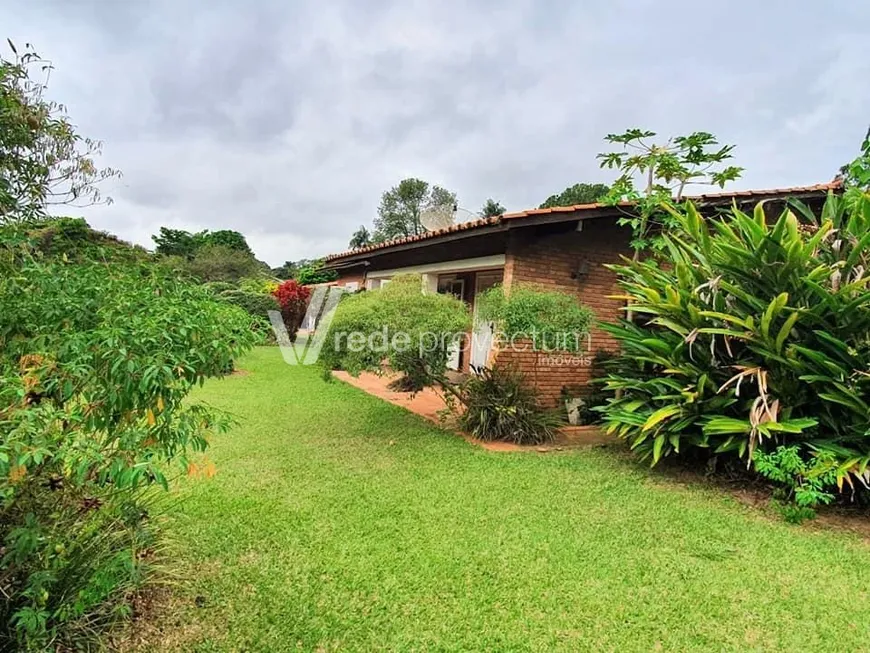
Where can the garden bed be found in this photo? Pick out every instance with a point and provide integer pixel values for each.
(429, 404)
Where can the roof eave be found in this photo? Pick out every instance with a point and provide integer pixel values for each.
(534, 217)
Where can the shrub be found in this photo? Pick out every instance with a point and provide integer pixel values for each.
(256, 305)
(500, 406)
(399, 324)
(551, 319)
(259, 285)
(96, 362)
(803, 482)
(293, 299)
(221, 263)
(756, 337)
(218, 287)
(314, 273)
(74, 238)
(73, 559)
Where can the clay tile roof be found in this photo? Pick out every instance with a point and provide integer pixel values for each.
(580, 208)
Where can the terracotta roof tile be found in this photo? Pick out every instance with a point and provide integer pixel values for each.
(483, 222)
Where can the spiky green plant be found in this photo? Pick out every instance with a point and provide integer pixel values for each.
(754, 333)
(499, 405)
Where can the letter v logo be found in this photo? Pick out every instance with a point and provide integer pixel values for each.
(321, 310)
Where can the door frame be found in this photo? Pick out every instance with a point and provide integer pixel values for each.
(479, 275)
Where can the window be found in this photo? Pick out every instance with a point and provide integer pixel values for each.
(455, 287)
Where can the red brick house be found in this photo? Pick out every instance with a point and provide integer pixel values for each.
(564, 248)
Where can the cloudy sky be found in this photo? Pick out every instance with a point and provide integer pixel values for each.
(286, 120)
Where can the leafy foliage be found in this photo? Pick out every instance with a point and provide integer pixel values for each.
(667, 169)
(219, 263)
(257, 305)
(401, 206)
(856, 176)
(499, 405)
(756, 336)
(96, 360)
(43, 162)
(313, 272)
(291, 295)
(288, 270)
(551, 319)
(75, 239)
(804, 481)
(360, 238)
(210, 256)
(491, 209)
(259, 285)
(74, 571)
(398, 323)
(99, 347)
(177, 242)
(305, 271)
(293, 299)
(576, 194)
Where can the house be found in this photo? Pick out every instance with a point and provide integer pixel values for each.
(563, 248)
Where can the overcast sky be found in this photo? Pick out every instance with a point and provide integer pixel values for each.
(286, 120)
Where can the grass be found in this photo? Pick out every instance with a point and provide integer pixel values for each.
(339, 522)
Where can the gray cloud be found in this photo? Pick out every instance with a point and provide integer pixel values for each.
(286, 120)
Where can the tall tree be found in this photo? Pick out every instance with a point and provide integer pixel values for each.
(43, 161)
(401, 206)
(361, 237)
(177, 242)
(576, 194)
(226, 238)
(222, 263)
(491, 209)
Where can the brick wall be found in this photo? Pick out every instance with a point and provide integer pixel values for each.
(350, 276)
(550, 259)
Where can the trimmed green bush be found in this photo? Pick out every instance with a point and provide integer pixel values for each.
(551, 319)
(412, 331)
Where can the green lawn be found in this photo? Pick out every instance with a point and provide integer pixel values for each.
(339, 522)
